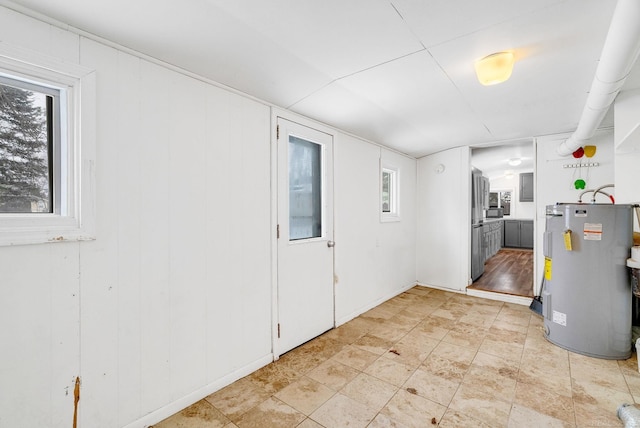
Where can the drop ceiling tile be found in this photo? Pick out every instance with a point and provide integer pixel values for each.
(438, 21)
(335, 37)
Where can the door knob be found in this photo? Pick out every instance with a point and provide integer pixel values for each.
(331, 244)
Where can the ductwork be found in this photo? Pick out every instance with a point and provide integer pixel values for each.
(619, 54)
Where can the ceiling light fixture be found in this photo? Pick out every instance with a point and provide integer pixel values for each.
(515, 161)
(494, 68)
(508, 174)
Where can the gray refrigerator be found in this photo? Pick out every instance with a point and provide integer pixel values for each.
(587, 298)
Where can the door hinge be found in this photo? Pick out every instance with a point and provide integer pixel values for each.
(278, 330)
(278, 232)
(277, 132)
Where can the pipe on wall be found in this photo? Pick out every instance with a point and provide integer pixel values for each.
(619, 54)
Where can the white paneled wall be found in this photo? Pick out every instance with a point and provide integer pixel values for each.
(173, 299)
(444, 219)
(374, 260)
(178, 279)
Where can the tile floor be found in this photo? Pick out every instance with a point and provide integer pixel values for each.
(426, 358)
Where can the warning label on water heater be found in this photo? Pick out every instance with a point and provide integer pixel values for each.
(560, 318)
(593, 231)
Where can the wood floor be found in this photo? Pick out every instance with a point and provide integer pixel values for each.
(510, 272)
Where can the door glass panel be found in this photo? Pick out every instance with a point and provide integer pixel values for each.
(305, 189)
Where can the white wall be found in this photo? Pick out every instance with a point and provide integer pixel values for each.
(173, 299)
(627, 153)
(555, 183)
(444, 219)
(374, 260)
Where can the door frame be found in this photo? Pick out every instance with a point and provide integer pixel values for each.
(292, 117)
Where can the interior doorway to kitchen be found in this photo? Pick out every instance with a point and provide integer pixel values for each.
(509, 212)
(510, 271)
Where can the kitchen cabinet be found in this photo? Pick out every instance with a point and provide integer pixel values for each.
(518, 233)
(491, 238)
(526, 187)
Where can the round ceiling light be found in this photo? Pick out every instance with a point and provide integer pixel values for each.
(495, 68)
(515, 161)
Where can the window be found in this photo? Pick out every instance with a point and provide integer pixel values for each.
(501, 199)
(29, 147)
(305, 189)
(46, 180)
(389, 194)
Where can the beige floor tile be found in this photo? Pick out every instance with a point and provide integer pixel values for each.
(333, 374)
(505, 325)
(498, 365)
(273, 377)
(309, 423)
(542, 400)
(475, 402)
(271, 413)
(199, 415)
(238, 398)
(454, 352)
(384, 421)
(355, 357)
(466, 335)
(541, 377)
(524, 417)
(607, 399)
(435, 327)
(342, 411)
(454, 419)
(373, 344)
(412, 349)
(605, 373)
(413, 410)
(305, 395)
(452, 312)
(431, 386)
(390, 371)
(350, 331)
(495, 346)
(370, 391)
(391, 331)
(478, 319)
(445, 368)
(496, 332)
(496, 386)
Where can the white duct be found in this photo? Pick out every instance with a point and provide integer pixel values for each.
(619, 54)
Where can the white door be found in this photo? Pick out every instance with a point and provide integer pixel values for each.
(305, 234)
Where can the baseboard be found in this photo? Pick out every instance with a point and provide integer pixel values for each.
(197, 395)
(440, 288)
(508, 298)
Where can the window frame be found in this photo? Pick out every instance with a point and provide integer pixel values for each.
(73, 216)
(394, 193)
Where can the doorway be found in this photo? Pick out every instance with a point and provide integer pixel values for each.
(509, 218)
(305, 266)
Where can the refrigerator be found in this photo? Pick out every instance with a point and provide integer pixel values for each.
(479, 202)
(587, 297)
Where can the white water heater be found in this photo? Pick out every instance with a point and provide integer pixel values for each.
(587, 298)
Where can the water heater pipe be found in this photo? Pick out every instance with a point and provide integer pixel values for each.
(619, 54)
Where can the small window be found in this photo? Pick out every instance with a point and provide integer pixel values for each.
(389, 194)
(47, 157)
(29, 147)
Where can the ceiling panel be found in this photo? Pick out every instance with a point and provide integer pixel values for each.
(336, 37)
(438, 21)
